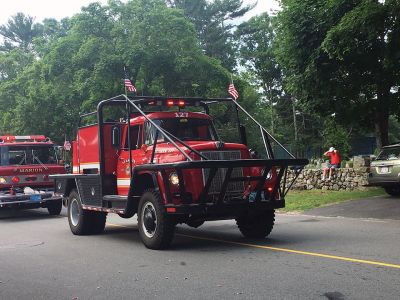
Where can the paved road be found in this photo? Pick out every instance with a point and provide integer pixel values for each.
(305, 257)
(385, 207)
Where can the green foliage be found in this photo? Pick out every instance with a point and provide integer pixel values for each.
(77, 62)
(335, 135)
(342, 57)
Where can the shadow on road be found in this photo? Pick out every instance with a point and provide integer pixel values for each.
(209, 238)
(8, 215)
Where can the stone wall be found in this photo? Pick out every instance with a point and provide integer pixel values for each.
(342, 179)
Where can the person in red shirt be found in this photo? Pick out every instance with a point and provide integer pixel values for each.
(334, 163)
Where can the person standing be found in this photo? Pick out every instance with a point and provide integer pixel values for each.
(334, 162)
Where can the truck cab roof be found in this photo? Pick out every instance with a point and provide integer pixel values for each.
(169, 115)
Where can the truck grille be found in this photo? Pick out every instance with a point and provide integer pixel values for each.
(216, 184)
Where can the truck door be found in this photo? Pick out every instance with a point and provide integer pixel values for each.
(138, 156)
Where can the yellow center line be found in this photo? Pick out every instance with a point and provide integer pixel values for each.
(355, 260)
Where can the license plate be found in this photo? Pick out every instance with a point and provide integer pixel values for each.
(384, 170)
(36, 197)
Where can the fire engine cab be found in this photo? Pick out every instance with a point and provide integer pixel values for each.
(163, 160)
(25, 165)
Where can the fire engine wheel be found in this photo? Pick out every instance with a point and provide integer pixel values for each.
(54, 207)
(84, 222)
(256, 226)
(156, 227)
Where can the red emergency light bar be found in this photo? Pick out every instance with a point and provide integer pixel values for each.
(22, 138)
(181, 103)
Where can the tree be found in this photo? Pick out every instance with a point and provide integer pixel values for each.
(343, 57)
(213, 21)
(82, 59)
(19, 32)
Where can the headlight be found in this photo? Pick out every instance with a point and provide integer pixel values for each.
(173, 178)
(3, 180)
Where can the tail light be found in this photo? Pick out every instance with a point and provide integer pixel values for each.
(15, 179)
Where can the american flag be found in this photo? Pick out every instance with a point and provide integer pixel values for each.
(232, 91)
(67, 145)
(129, 86)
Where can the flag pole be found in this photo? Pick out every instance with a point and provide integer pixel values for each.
(126, 92)
(237, 117)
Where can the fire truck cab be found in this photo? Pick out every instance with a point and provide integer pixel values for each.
(25, 165)
(164, 161)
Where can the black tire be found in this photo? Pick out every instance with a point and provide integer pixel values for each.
(156, 227)
(256, 226)
(195, 224)
(393, 191)
(54, 207)
(84, 222)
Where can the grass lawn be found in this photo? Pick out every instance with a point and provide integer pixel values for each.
(305, 200)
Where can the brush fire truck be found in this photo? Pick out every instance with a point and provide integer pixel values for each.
(25, 165)
(164, 161)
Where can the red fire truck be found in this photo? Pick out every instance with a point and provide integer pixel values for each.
(25, 165)
(164, 161)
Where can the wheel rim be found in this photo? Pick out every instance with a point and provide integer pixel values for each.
(149, 219)
(74, 212)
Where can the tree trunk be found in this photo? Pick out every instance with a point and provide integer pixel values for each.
(382, 117)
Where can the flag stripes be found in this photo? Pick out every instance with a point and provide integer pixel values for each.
(129, 86)
(232, 91)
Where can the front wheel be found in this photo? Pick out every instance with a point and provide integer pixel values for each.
(54, 207)
(393, 191)
(83, 222)
(156, 227)
(256, 225)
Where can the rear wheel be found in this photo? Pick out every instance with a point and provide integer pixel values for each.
(54, 207)
(156, 227)
(393, 190)
(83, 222)
(256, 225)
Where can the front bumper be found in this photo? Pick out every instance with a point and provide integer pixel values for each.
(376, 180)
(33, 200)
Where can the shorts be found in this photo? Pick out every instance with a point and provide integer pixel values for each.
(333, 166)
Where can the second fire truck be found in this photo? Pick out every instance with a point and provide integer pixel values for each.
(26, 162)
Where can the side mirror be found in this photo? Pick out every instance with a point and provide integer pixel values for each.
(243, 136)
(116, 136)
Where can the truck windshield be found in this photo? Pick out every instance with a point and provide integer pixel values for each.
(27, 155)
(182, 128)
(389, 153)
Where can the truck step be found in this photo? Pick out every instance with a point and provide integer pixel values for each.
(115, 198)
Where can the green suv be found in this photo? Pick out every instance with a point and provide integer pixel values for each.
(385, 170)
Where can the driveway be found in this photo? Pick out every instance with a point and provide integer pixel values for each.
(381, 207)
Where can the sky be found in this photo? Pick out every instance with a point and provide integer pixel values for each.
(59, 9)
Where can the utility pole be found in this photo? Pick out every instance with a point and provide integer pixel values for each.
(294, 124)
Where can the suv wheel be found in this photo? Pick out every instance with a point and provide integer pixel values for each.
(156, 227)
(393, 190)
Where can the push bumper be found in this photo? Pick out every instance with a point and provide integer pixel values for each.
(212, 210)
(32, 200)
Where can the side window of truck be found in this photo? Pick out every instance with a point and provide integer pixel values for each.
(136, 137)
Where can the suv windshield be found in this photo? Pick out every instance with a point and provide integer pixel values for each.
(389, 153)
(27, 155)
(182, 128)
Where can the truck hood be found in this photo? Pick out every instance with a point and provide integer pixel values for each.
(166, 152)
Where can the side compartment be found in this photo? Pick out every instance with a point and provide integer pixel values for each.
(87, 185)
